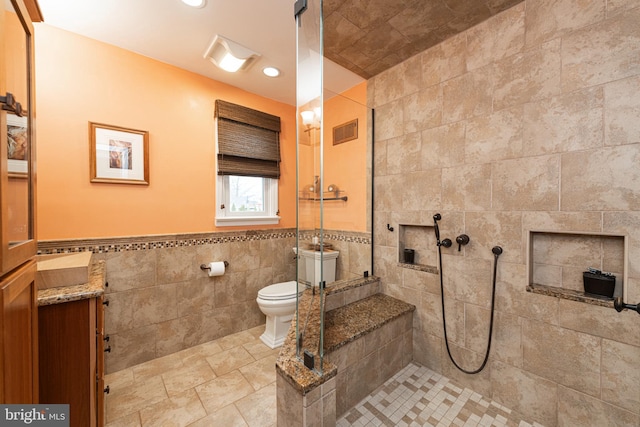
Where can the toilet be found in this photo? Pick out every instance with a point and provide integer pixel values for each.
(278, 301)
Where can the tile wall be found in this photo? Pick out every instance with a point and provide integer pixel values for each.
(528, 121)
(160, 302)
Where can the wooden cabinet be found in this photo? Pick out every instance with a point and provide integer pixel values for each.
(18, 311)
(19, 336)
(71, 351)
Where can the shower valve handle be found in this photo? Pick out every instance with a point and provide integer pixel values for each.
(461, 240)
(446, 243)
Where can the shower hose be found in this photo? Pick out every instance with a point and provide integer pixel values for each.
(497, 250)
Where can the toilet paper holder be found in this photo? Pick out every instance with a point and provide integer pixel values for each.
(205, 267)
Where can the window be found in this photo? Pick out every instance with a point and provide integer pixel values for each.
(248, 163)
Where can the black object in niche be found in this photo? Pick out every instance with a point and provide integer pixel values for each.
(409, 256)
(598, 283)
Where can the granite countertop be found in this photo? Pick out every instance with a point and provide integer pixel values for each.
(92, 289)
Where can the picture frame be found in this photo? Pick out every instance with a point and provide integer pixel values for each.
(17, 146)
(118, 155)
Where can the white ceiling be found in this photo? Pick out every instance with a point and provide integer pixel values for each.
(171, 32)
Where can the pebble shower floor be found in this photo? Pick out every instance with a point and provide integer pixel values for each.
(417, 396)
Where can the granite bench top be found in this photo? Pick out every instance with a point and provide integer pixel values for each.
(342, 325)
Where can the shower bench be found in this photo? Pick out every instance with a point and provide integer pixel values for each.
(367, 339)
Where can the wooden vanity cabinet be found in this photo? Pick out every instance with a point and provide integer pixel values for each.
(19, 336)
(71, 349)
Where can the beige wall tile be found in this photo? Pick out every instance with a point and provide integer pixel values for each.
(130, 270)
(197, 295)
(617, 6)
(422, 109)
(549, 275)
(570, 122)
(548, 19)
(496, 38)
(469, 360)
(496, 136)
(526, 184)
(289, 403)
(530, 76)
(530, 395)
(512, 298)
(578, 409)
(131, 347)
(567, 357)
(154, 305)
(444, 61)
(567, 250)
(403, 154)
(568, 221)
(388, 86)
(488, 229)
(443, 146)
(466, 187)
(468, 95)
(177, 265)
(420, 190)
(421, 281)
(427, 349)
(388, 190)
(601, 53)
(601, 322)
(622, 112)
(389, 120)
(626, 223)
(476, 327)
(507, 339)
(612, 188)
(620, 375)
(119, 313)
(469, 280)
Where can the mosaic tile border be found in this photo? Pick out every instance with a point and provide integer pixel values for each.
(150, 242)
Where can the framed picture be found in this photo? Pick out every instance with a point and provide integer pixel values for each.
(118, 155)
(17, 146)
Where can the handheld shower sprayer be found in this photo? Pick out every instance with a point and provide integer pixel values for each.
(437, 217)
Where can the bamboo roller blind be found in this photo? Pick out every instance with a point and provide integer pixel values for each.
(248, 141)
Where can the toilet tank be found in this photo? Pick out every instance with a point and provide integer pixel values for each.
(318, 265)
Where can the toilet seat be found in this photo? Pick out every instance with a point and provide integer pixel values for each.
(279, 291)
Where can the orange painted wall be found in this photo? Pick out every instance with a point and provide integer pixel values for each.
(345, 165)
(80, 80)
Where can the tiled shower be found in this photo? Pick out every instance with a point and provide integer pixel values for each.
(528, 121)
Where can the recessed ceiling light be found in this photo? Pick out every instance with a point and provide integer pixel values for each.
(271, 71)
(195, 3)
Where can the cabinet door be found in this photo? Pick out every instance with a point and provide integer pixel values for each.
(17, 141)
(67, 350)
(102, 344)
(18, 337)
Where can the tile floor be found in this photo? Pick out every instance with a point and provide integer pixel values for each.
(231, 382)
(417, 396)
(226, 382)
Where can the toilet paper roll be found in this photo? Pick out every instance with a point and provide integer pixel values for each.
(216, 268)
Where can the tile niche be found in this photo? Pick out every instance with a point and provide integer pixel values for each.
(421, 239)
(556, 261)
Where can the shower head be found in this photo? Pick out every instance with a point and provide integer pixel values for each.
(437, 217)
(497, 250)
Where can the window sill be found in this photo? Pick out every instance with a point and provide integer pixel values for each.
(249, 220)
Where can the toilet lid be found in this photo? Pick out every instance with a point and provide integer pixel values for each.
(284, 290)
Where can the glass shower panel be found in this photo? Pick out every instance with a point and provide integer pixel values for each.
(310, 181)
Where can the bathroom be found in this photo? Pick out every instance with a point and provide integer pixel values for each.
(521, 128)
